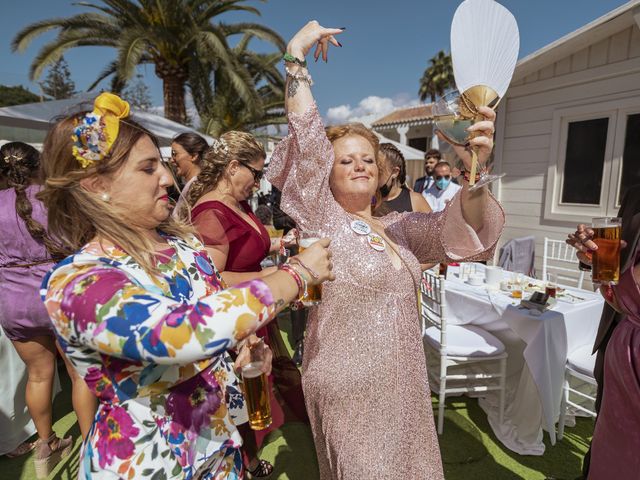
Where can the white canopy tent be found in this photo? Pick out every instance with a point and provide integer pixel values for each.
(40, 116)
(409, 153)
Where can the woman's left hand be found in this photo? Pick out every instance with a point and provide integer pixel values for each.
(483, 142)
(253, 342)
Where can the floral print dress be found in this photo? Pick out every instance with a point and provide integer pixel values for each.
(153, 350)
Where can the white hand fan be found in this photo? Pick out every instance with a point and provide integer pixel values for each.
(484, 50)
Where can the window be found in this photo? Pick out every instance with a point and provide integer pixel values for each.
(419, 143)
(631, 156)
(584, 161)
(594, 159)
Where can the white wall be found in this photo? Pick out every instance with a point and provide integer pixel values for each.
(607, 70)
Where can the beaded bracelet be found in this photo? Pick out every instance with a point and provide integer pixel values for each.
(291, 59)
(300, 76)
(307, 268)
(299, 279)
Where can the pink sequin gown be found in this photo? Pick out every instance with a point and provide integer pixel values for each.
(364, 372)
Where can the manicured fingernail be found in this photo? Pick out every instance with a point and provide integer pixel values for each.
(342, 28)
(316, 59)
(339, 44)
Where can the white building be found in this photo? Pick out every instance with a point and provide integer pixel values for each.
(568, 130)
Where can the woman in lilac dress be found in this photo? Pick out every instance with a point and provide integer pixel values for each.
(364, 372)
(616, 439)
(24, 261)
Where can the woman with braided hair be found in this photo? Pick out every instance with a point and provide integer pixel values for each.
(396, 196)
(24, 261)
(237, 242)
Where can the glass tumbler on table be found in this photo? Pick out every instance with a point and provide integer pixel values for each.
(606, 259)
(551, 285)
(517, 285)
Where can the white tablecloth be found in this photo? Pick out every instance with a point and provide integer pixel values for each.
(537, 348)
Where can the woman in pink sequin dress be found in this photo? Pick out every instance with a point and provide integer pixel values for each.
(364, 372)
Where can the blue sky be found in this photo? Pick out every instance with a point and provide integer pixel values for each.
(386, 45)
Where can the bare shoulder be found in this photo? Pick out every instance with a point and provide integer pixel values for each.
(419, 203)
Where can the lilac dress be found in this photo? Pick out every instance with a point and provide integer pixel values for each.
(616, 439)
(23, 264)
(364, 373)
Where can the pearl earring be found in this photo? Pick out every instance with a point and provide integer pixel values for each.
(105, 197)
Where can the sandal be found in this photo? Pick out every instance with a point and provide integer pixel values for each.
(262, 470)
(48, 455)
(22, 449)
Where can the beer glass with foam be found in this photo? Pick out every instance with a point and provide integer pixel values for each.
(606, 259)
(256, 389)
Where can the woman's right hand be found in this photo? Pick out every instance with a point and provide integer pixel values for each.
(317, 261)
(310, 34)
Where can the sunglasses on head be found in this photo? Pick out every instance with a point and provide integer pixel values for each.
(440, 177)
(257, 174)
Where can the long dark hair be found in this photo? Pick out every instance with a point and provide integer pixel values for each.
(20, 164)
(193, 144)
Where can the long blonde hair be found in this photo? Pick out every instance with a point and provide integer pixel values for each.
(240, 146)
(75, 215)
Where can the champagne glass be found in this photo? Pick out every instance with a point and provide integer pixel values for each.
(453, 114)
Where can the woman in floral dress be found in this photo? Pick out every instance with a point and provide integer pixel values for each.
(139, 309)
(364, 373)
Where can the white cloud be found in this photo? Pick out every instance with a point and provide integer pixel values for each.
(368, 109)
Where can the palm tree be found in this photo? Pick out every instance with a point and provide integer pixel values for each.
(173, 35)
(437, 78)
(221, 110)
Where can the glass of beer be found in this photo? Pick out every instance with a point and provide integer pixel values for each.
(606, 259)
(256, 389)
(551, 287)
(313, 294)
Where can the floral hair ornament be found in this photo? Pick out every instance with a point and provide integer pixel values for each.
(7, 158)
(96, 132)
(220, 147)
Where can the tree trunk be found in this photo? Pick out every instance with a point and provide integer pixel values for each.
(173, 93)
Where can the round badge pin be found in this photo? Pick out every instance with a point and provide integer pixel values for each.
(376, 242)
(360, 227)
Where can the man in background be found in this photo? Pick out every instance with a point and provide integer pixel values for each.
(443, 188)
(431, 158)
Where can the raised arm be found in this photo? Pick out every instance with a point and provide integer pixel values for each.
(474, 203)
(301, 163)
(298, 97)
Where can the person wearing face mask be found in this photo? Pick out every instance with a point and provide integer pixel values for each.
(396, 196)
(431, 158)
(443, 189)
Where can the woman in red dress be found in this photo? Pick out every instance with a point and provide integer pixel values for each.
(237, 243)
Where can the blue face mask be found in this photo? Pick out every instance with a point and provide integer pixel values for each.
(443, 183)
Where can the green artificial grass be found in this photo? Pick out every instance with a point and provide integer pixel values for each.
(469, 449)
